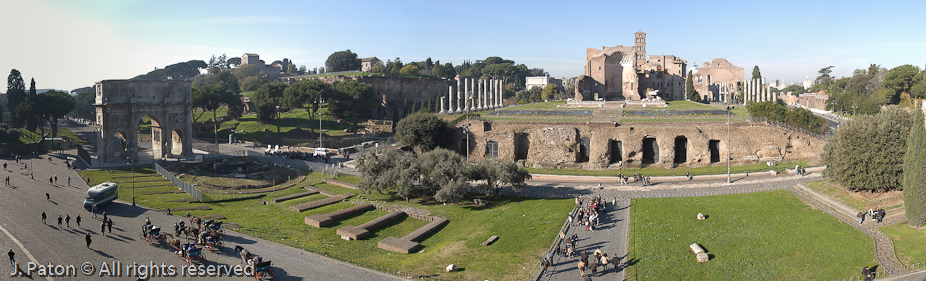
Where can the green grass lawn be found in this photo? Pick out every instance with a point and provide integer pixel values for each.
(827, 187)
(908, 242)
(525, 226)
(717, 169)
(758, 236)
(544, 105)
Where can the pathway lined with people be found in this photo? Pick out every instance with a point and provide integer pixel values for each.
(614, 234)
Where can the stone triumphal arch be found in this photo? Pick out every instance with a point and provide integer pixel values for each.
(121, 104)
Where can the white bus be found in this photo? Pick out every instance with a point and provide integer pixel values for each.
(100, 195)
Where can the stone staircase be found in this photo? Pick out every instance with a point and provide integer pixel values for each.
(884, 247)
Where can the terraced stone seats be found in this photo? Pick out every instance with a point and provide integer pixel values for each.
(294, 196)
(320, 220)
(351, 232)
(407, 243)
(319, 203)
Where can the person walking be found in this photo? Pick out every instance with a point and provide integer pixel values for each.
(93, 211)
(860, 216)
(77, 219)
(47, 196)
(882, 214)
(56, 179)
(109, 224)
(12, 259)
(594, 267)
(89, 240)
(67, 221)
(103, 228)
(69, 180)
(44, 217)
(59, 221)
(581, 269)
(604, 263)
(104, 216)
(50, 180)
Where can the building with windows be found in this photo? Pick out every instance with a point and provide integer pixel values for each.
(624, 73)
(264, 68)
(542, 81)
(717, 80)
(366, 64)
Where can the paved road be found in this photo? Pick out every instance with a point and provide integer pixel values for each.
(22, 203)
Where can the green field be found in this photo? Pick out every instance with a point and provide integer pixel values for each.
(716, 169)
(758, 236)
(526, 227)
(249, 129)
(908, 242)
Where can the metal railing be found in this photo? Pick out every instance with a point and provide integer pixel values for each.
(187, 187)
(556, 240)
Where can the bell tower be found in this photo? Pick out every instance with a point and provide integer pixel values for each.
(639, 44)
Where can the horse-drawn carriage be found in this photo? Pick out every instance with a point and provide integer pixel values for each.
(191, 253)
(262, 269)
(152, 233)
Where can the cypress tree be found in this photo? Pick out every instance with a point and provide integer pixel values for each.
(395, 117)
(914, 175)
(755, 73)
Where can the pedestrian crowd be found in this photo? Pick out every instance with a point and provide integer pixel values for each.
(875, 214)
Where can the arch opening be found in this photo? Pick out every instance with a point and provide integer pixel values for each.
(615, 154)
(522, 145)
(713, 146)
(650, 151)
(582, 156)
(681, 150)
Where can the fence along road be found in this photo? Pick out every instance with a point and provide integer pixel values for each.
(188, 188)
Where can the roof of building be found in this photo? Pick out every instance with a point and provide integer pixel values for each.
(369, 59)
(250, 54)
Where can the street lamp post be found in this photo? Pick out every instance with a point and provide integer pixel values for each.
(319, 102)
(131, 161)
(729, 145)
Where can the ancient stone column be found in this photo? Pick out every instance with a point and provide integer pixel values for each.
(501, 91)
(485, 94)
(449, 99)
(466, 95)
(457, 100)
(472, 94)
(477, 98)
(442, 109)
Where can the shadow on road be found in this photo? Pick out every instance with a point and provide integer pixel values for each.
(281, 274)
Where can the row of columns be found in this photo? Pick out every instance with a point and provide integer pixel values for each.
(723, 91)
(474, 95)
(755, 90)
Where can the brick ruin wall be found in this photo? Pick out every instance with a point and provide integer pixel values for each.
(394, 91)
(557, 145)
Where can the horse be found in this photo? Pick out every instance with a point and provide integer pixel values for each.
(247, 257)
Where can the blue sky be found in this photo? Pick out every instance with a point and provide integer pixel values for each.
(71, 44)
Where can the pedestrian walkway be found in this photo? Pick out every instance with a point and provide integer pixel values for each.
(884, 247)
(614, 238)
(613, 224)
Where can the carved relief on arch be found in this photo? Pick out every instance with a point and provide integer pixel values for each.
(176, 119)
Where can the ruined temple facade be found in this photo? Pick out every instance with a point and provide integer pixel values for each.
(717, 80)
(624, 73)
(597, 146)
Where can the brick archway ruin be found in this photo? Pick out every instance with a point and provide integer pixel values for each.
(120, 104)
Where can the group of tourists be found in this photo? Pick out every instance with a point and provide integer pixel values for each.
(298, 155)
(876, 214)
(589, 264)
(637, 177)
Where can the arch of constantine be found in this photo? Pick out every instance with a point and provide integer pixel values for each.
(121, 104)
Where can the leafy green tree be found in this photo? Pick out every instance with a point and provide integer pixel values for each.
(211, 98)
(233, 62)
(690, 91)
(15, 94)
(824, 78)
(83, 103)
(393, 172)
(307, 95)
(445, 171)
(549, 92)
(755, 73)
(268, 99)
(497, 174)
(423, 131)
(914, 173)
(342, 61)
(352, 99)
(177, 71)
(867, 153)
(529, 95)
(58, 105)
(410, 69)
(228, 81)
(902, 78)
(794, 89)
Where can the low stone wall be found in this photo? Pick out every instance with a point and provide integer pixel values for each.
(358, 232)
(319, 203)
(320, 220)
(407, 243)
(294, 196)
(341, 184)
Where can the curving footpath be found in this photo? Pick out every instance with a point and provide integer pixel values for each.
(614, 236)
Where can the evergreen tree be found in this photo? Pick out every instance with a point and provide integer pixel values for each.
(690, 91)
(755, 73)
(15, 94)
(395, 117)
(914, 175)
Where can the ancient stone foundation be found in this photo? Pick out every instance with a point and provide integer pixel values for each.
(596, 146)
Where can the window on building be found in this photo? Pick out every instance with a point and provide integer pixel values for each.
(491, 149)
